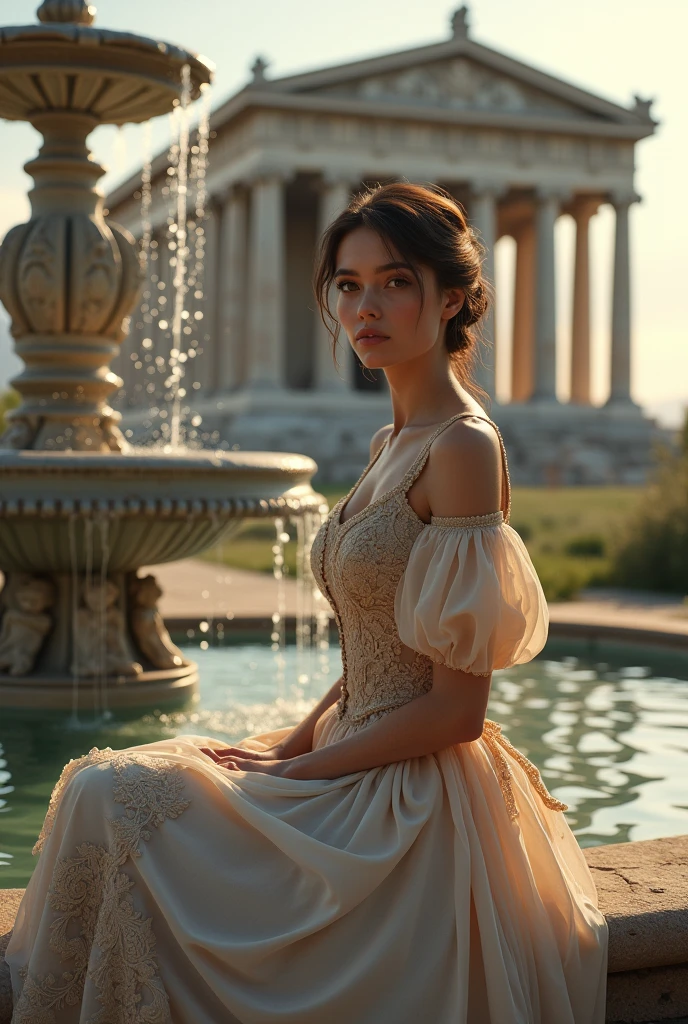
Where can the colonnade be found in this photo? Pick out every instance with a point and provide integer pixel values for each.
(246, 254)
(534, 339)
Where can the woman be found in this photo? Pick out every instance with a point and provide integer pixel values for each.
(392, 859)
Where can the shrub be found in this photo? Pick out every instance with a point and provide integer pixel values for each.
(586, 545)
(651, 553)
(560, 578)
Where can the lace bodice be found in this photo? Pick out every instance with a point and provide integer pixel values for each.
(357, 565)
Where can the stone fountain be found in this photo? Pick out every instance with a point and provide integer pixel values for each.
(81, 509)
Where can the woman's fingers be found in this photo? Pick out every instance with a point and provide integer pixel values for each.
(219, 752)
(209, 752)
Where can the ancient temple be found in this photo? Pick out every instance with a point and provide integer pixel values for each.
(518, 147)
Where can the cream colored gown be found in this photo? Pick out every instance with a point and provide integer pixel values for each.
(445, 889)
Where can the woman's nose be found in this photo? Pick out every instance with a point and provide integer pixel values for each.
(368, 309)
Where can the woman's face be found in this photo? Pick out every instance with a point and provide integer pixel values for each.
(379, 302)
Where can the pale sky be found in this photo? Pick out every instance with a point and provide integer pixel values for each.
(611, 47)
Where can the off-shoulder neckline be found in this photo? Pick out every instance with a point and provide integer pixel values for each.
(408, 479)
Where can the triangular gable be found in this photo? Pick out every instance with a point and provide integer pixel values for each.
(455, 84)
(461, 75)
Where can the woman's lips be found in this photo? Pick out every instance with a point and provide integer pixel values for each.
(373, 339)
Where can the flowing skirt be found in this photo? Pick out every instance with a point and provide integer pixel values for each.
(171, 890)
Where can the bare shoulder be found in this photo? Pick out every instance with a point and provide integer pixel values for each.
(464, 471)
(379, 437)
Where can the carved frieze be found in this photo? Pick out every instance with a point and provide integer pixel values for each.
(379, 137)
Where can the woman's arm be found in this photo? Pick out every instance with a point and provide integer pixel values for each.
(298, 741)
(452, 712)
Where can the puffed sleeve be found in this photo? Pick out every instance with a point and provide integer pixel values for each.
(470, 597)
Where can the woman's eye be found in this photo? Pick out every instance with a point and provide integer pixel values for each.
(346, 286)
(399, 281)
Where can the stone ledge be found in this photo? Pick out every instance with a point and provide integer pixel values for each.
(643, 893)
(655, 994)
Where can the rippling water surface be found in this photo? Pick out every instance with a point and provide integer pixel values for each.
(608, 729)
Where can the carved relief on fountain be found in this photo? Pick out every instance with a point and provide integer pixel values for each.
(101, 645)
(147, 625)
(25, 623)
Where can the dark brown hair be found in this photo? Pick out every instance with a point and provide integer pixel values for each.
(426, 226)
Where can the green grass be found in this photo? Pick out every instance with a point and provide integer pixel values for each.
(567, 530)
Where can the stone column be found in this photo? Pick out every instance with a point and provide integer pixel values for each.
(266, 314)
(545, 375)
(232, 307)
(333, 198)
(620, 389)
(580, 334)
(484, 220)
(523, 342)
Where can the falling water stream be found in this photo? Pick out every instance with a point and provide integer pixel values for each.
(174, 334)
(170, 319)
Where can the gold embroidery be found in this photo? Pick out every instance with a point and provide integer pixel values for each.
(490, 519)
(115, 946)
(493, 738)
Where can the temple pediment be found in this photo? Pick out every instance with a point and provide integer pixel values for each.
(458, 75)
(457, 83)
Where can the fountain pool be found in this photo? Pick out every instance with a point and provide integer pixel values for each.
(609, 731)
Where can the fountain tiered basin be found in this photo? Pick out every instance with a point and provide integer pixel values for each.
(81, 509)
(67, 518)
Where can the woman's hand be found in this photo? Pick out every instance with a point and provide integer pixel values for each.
(250, 763)
(219, 754)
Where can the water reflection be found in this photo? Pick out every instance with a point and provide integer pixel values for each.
(611, 741)
(608, 730)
